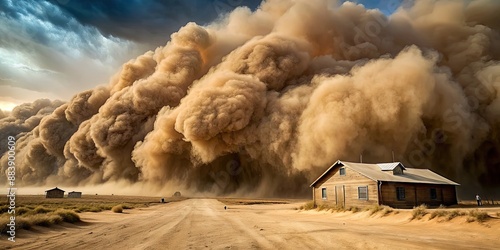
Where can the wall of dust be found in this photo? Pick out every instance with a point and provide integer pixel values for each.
(260, 103)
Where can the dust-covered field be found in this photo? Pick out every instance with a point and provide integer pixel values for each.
(261, 224)
(36, 210)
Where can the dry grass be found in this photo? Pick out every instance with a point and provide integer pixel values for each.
(88, 203)
(374, 209)
(324, 207)
(453, 214)
(241, 201)
(446, 214)
(308, 206)
(387, 210)
(476, 215)
(419, 212)
(68, 215)
(353, 209)
(42, 210)
(438, 214)
(42, 218)
(117, 209)
(36, 210)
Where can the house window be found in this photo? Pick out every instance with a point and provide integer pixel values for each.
(400, 193)
(323, 193)
(342, 171)
(363, 193)
(433, 194)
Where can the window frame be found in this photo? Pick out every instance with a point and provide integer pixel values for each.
(342, 171)
(433, 195)
(366, 193)
(323, 193)
(399, 191)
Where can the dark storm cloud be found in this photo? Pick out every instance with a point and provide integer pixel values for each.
(45, 49)
(149, 22)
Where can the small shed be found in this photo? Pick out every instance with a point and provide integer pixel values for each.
(54, 193)
(75, 194)
(347, 184)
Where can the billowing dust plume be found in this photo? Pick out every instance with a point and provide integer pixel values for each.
(262, 102)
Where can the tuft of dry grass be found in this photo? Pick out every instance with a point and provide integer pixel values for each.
(42, 210)
(476, 215)
(374, 209)
(453, 214)
(419, 212)
(117, 209)
(308, 206)
(438, 214)
(387, 210)
(324, 207)
(22, 210)
(354, 209)
(43, 219)
(68, 215)
(36, 210)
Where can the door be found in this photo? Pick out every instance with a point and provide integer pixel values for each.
(340, 195)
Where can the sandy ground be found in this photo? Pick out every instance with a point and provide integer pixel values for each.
(204, 224)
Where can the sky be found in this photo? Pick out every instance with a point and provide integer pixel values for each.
(56, 48)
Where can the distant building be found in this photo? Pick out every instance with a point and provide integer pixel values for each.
(357, 184)
(54, 193)
(74, 194)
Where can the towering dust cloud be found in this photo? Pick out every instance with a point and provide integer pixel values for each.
(262, 102)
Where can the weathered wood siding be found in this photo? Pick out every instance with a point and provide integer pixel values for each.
(416, 194)
(350, 183)
(75, 195)
(55, 194)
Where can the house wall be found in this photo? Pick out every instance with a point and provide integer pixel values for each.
(349, 183)
(54, 194)
(416, 194)
(75, 195)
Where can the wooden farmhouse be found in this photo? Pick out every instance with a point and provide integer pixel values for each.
(74, 194)
(348, 184)
(54, 193)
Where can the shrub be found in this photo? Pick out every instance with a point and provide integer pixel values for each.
(323, 207)
(453, 214)
(419, 212)
(42, 210)
(4, 209)
(117, 209)
(387, 210)
(23, 223)
(354, 209)
(308, 206)
(43, 220)
(438, 213)
(68, 215)
(340, 209)
(479, 216)
(22, 210)
(127, 206)
(374, 209)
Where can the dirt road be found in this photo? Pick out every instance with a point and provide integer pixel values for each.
(204, 224)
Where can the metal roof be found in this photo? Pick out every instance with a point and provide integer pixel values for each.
(374, 172)
(389, 166)
(56, 188)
